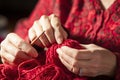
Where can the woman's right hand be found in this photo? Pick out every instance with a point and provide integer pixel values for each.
(52, 28)
(15, 50)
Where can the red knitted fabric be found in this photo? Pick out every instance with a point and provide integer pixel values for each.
(86, 21)
(45, 67)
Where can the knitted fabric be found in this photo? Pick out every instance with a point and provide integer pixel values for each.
(46, 66)
(86, 21)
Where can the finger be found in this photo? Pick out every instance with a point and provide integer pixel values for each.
(58, 31)
(21, 44)
(67, 58)
(7, 57)
(10, 48)
(31, 33)
(3, 60)
(18, 55)
(91, 47)
(64, 33)
(68, 66)
(16, 58)
(38, 31)
(73, 62)
(33, 36)
(77, 54)
(37, 28)
(3, 46)
(14, 51)
(46, 25)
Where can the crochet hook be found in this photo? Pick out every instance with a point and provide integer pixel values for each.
(32, 42)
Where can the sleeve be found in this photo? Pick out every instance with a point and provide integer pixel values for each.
(44, 7)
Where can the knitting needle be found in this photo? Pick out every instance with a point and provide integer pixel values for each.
(32, 42)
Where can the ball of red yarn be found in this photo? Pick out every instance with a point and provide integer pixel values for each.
(46, 67)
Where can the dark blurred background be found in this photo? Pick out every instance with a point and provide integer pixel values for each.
(13, 10)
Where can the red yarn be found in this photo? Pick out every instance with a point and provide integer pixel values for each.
(41, 69)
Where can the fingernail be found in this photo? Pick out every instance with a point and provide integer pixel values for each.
(59, 41)
(58, 50)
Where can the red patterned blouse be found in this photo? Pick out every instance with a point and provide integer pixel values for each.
(86, 21)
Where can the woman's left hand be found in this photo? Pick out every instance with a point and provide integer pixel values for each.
(91, 61)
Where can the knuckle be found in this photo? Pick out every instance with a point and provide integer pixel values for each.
(56, 23)
(35, 22)
(31, 34)
(53, 15)
(2, 43)
(9, 35)
(34, 25)
(30, 30)
(92, 45)
(43, 17)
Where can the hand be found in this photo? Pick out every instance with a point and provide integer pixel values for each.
(92, 61)
(15, 50)
(54, 32)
